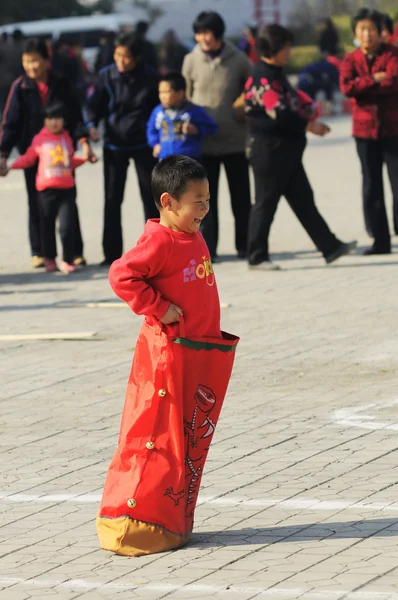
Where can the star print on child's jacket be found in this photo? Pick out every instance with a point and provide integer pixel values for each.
(56, 161)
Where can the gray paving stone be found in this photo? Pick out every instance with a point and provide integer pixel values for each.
(311, 413)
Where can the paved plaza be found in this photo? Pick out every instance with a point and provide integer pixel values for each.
(300, 495)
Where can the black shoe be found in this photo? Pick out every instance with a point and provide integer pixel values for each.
(106, 263)
(242, 254)
(375, 250)
(342, 250)
(214, 259)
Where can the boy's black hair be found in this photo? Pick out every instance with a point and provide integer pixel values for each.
(272, 39)
(36, 46)
(388, 23)
(55, 110)
(368, 14)
(209, 21)
(173, 175)
(133, 42)
(176, 80)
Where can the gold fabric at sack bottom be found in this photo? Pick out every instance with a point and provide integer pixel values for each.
(129, 537)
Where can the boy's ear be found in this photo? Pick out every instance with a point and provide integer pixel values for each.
(166, 201)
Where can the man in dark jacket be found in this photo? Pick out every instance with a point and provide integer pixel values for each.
(23, 119)
(124, 97)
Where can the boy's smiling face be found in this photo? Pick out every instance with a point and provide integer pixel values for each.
(187, 213)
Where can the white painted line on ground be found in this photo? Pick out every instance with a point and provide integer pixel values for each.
(106, 304)
(197, 588)
(293, 504)
(354, 417)
(48, 336)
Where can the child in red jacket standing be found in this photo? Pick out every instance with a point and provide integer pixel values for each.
(180, 373)
(369, 76)
(53, 149)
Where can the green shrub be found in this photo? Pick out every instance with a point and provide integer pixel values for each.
(301, 56)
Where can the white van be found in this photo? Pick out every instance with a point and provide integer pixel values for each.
(85, 31)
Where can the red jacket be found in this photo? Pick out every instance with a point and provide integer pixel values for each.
(374, 105)
(56, 160)
(169, 266)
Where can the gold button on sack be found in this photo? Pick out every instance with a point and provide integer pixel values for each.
(162, 393)
(131, 503)
(150, 445)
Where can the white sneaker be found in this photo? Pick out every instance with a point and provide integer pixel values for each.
(266, 265)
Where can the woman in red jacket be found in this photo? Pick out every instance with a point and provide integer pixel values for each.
(369, 76)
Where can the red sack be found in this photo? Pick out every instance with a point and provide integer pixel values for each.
(174, 398)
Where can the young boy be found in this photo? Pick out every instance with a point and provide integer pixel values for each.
(52, 148)
(177, 126)
(180, 373)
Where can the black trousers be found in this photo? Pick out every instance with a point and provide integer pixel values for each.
(373, 154)
(55, 203)
(34, 218)
(237, 171)
(278, 171)
(115, 174)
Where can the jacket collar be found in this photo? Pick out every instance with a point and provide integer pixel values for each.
(30, 84)
(226, 53)
(134, 74)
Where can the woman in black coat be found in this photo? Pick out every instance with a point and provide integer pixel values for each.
(279, 118)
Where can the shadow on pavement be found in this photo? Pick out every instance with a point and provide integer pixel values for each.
(295, 533)
(39, 277)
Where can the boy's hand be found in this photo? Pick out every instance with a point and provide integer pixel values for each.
(156, 150)
(94, 134)
(3, 167)
(318, 128)
(189, 129)
(88, 153)
(172, 315)
(378, 77)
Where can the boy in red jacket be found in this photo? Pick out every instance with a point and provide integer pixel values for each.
(180, 372)
(169, 274)
(53, 149)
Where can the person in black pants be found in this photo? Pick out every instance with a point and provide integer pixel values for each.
(216, 71)
(23, 118)
(124, 96)
(369, 77)
(278, 119)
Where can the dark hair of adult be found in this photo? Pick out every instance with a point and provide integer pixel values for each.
(209, 21)
(388, 24)
(133, 42)
(55, 110)
(173, 175)
(17, 35)
(328, 23)
(368, 14)
(272, 39)
(142, 27)
(36, 46)
(176, 80)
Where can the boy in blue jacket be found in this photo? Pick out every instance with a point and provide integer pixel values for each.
(177, 126)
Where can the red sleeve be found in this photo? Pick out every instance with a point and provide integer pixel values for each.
(26, 160)
(76, 161)
(130, 275)
(351, 85)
